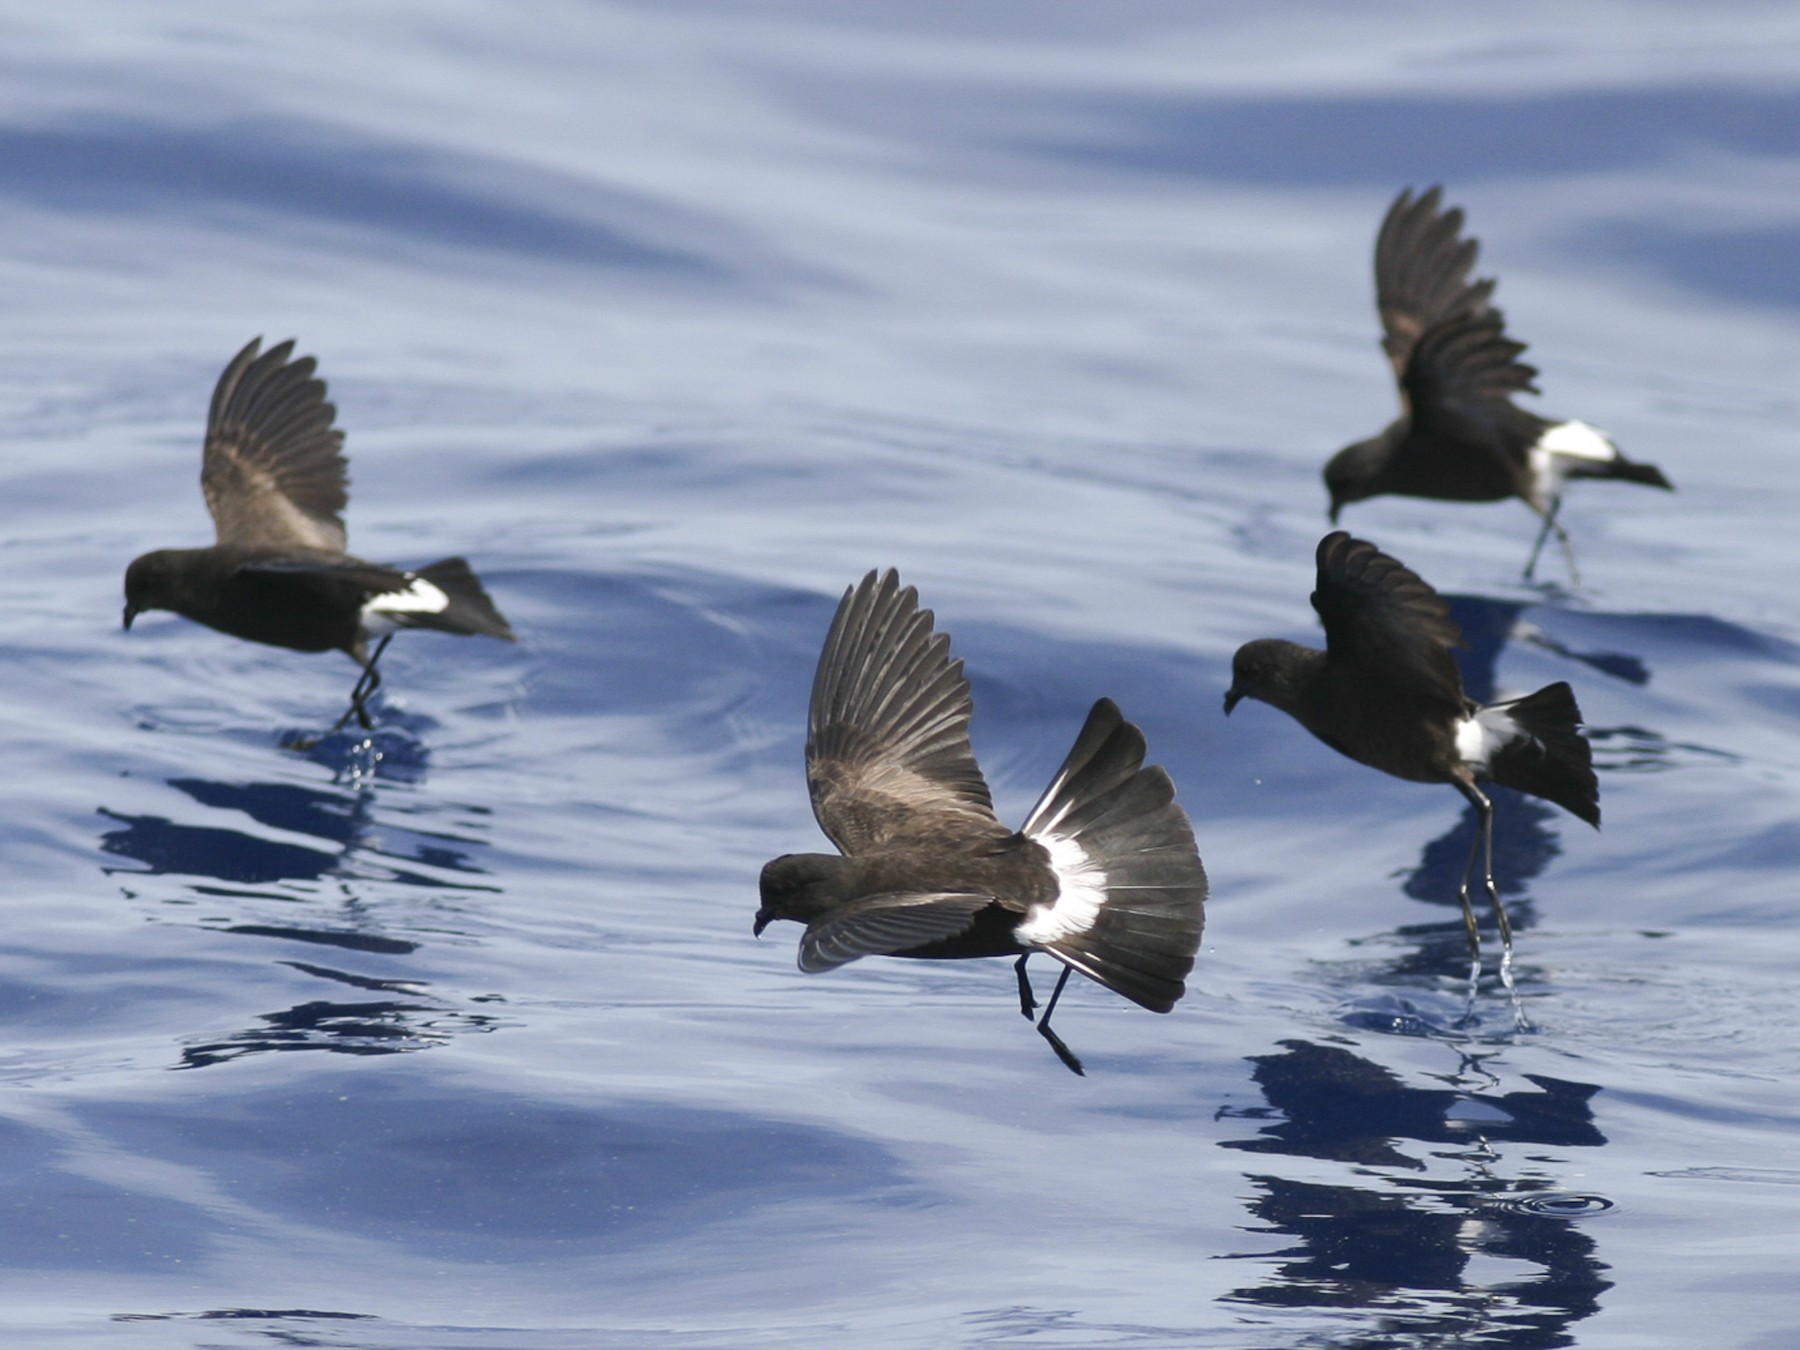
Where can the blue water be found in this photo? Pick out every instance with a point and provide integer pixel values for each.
(676, 317)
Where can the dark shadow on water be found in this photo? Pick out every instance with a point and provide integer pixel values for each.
(1524, 845)
(342, 818)
(1402, 1245)
(1437, 954)
(1488, 625)
(1340, 1106)
(394, 751)
(228, 855)
(367, 834)
(407, 1020)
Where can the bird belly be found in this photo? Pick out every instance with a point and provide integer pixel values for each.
(1450, 471)
(1016, 874)
(293, 611)
(1394, 735)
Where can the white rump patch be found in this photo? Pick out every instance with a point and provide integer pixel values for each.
(1479, 736)
(382, 614)
(1577, 440)
(1081, 891)
(1562, 442)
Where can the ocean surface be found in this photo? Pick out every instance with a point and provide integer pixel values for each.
(677, 316)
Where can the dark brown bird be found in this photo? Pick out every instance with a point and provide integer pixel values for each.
(1459, 436)
(1104, 876)
(273, 472)
(1386, 692)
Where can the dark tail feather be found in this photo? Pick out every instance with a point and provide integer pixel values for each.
(1553, 760)
(1133, 887)
(1629, 470)
(1647, 474)
(470, 610)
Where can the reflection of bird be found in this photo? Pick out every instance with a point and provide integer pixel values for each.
(1386, 692)
(1410, 1247)
(1459, 437)
(1104, 876)
(402, 851)
(1334, 1103)
(273, 475)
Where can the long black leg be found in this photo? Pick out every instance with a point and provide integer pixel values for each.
(1520, 1021)
(366, 685)
(1063, 1052)
(1027, 999)
(1493, 890)
(1484, 840)
(1562, 538)
(1485, 809)
(1543, 534)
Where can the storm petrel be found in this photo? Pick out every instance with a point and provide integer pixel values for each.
(1386, 692)
(1459, 437)
(273, 472)
(1104, 876)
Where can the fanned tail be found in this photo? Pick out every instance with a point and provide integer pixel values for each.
(1132, 888)
(1552, 759)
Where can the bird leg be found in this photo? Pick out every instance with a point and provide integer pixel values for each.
(366, 685)
(1562, 538)
(1027, 999)
(1520, 1021)
(1484, 840)
(1479, 801)
(1484, 843)
(1063, 1052)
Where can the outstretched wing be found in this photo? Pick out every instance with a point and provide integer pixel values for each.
(1460, 383)
(1422, 266)
(1457, 368)
(880, 925)
(1380, 617)
(887, 748)
(273, 470)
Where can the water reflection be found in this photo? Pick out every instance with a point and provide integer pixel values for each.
(361, 841)
(1525, 841)
(1488, 625)
(409, 1020)
(1403, 1245)
(343, 818)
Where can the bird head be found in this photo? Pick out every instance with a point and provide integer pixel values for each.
(1267, 670)
(149, 583)
(1354, 473)
(799, 886)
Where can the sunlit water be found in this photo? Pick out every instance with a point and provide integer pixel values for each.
(676, 318)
